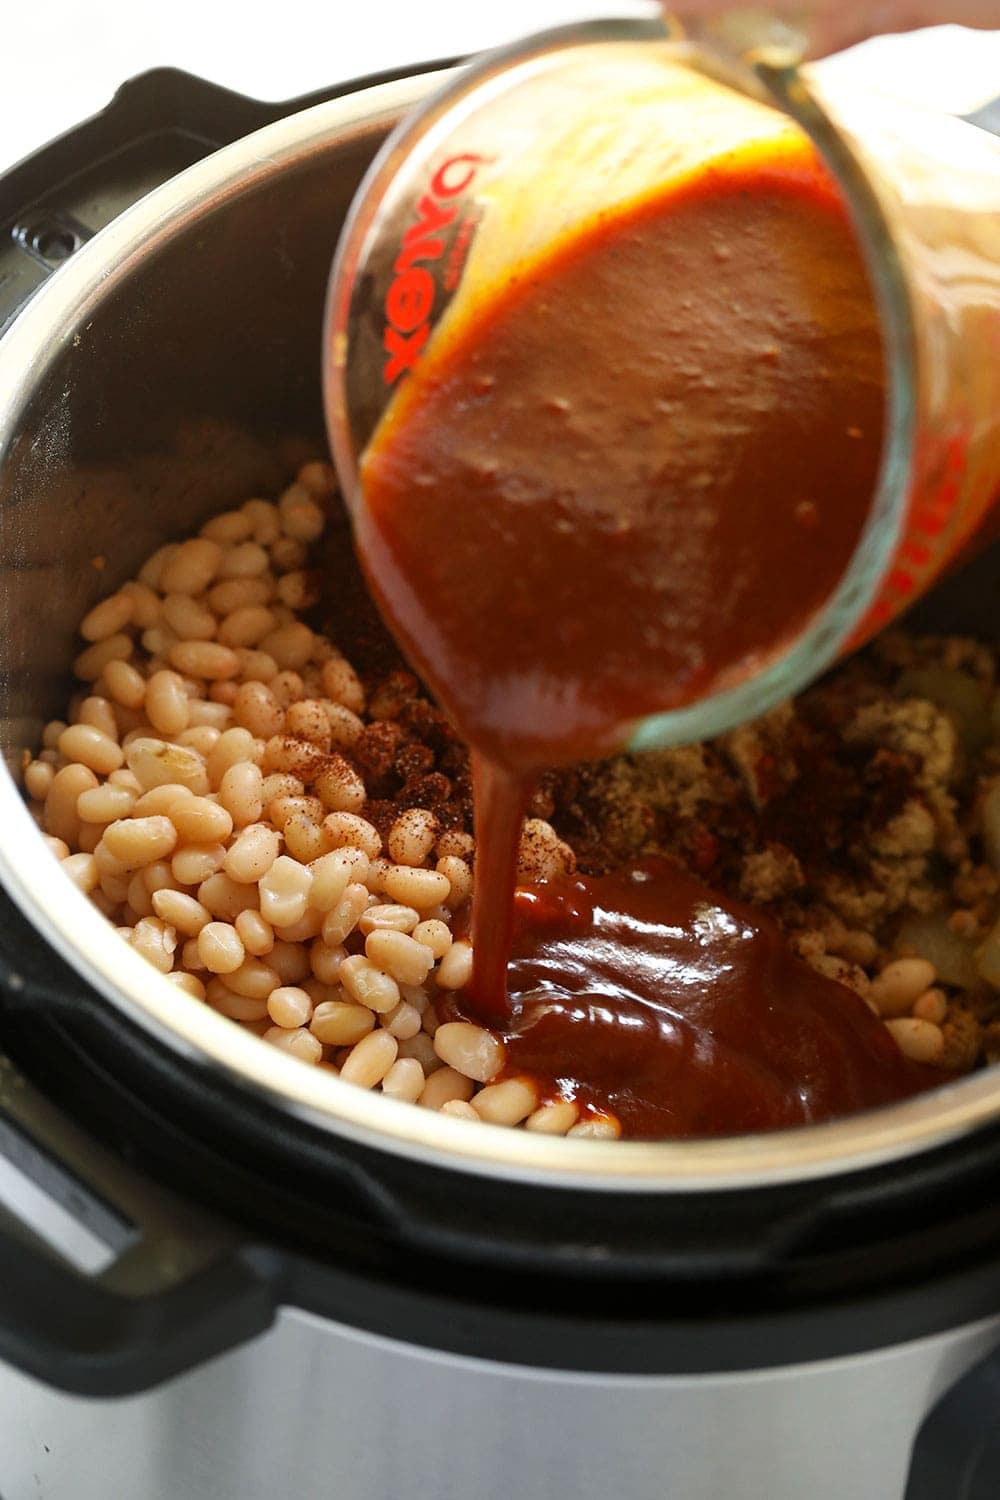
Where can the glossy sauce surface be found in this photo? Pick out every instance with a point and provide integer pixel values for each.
(685, 1013)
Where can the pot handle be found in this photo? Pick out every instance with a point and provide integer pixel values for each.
(56, 199)
(112, 1285)
(156, 125)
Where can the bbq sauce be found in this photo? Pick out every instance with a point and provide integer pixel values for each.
(620, 483)
(634, 473)
(685, 1012)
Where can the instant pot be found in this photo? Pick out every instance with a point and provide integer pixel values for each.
(223, 1274)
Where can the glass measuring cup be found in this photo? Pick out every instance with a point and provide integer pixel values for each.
(577, 121)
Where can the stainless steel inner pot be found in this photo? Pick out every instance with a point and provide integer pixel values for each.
(159, 376)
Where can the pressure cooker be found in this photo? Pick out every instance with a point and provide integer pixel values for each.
(223, 1274)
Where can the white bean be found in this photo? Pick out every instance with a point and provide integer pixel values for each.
(369, 1060)
(919, 1040)
(900, 983)
(404, 1080)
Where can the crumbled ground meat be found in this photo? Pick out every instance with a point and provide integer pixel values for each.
(867, 803)
(963, 1039)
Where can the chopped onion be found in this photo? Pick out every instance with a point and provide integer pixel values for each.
(954, 958)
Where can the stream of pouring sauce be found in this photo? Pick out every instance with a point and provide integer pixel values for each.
(625, 481)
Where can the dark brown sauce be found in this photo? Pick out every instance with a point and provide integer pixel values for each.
(685, 1012)
(625, 481)
(636, 472)
(500, 803)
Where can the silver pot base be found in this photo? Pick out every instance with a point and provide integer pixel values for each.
(313, 1409)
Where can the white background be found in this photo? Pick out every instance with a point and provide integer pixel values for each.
(63, 59)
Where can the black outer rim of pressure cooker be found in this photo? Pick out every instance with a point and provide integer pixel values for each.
(327, 1225)
(699, 1316)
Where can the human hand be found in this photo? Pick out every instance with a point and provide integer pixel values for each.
(830, 25)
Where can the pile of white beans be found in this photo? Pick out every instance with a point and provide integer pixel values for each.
(201, 791)
(905, 994)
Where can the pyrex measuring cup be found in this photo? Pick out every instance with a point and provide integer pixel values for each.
(577, 123)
